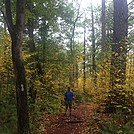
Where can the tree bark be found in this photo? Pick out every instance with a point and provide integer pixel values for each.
(16, 33)
(119, 47)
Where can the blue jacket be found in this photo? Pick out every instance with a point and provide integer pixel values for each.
(68, 95)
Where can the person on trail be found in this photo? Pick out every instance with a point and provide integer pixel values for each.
(68, 97)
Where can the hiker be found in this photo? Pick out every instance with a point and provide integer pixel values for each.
(68, 97)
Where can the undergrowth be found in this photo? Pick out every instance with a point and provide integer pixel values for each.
(115, 113)
(8, 119)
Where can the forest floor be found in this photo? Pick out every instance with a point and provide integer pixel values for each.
(82, 121)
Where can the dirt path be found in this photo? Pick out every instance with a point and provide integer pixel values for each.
(81, 117)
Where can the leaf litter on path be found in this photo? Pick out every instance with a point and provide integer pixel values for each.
(74, 124)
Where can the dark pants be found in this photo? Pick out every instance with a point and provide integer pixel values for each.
(68, 104)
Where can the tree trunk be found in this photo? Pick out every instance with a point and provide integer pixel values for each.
(93, 47)
(30, 27)
(72, 46)
(31, 43)
(84, 58)
(103, 20)
(16, 32)
(119, 47)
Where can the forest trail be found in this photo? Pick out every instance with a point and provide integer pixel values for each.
(82, 116)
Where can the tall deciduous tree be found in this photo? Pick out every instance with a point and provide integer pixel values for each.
(119, 46)
(72, 43)
(16, 33)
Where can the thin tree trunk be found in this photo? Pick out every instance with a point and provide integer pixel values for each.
(93, 47)
(31, 45)
(77, 74)
(30, 26)
(84, 58)
(103, 20)
(72, 47)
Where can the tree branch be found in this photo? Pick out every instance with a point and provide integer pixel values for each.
(8, 16)
(8, 25)
(130, 2)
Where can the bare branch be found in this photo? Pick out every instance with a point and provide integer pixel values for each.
(130, 2)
